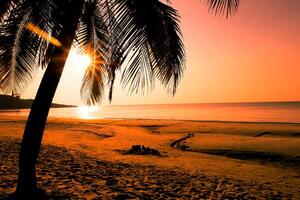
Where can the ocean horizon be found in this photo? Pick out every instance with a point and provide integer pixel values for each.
(282, 112)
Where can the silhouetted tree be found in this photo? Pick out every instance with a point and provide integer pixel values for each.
(141, 37)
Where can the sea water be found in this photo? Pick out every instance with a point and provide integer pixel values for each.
(288, 112)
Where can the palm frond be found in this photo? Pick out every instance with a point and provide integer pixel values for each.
(42, 16)
(115, 52)
(172, 65)
(22, 48)
(48, 53)
(149, 33)
(5, 7)
(56, 7)
(93, 83)
(139, 72)
(92, 29)
(91, 38)
(223, 7)
(15, 64)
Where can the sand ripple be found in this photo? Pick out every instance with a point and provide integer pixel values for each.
(72, 175)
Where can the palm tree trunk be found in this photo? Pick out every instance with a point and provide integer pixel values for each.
(33, 133)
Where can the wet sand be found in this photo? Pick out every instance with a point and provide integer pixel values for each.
(81, 159)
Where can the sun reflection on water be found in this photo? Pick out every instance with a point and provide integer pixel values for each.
(87, 112)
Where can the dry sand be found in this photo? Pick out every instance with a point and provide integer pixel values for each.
(81, 159)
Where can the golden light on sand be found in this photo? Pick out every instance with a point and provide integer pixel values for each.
(87, 112)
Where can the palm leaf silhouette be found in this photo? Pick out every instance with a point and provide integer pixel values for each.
(223, 7)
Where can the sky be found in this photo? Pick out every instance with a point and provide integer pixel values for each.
(253, 56)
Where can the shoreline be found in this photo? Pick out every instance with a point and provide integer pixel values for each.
(149, 119)
(248, 112)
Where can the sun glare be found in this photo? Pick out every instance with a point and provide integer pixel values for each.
(81, 61)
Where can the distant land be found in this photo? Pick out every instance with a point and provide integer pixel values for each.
(14, 102)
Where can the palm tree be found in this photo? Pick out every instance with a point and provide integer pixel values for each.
(141, 37)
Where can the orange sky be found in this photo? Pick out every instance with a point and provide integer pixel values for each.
(254, 56)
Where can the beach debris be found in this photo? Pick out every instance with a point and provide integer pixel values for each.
(183, 146)
(263, 133)
(181, 143)
(189, 135)
(142, 150)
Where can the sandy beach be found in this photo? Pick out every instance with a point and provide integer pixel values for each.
(83, 159)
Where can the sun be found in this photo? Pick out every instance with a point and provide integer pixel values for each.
(81, 61)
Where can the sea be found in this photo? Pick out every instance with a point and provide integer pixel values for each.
(283, 112)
